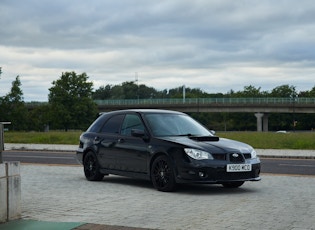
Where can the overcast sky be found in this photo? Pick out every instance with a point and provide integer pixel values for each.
(214, 45)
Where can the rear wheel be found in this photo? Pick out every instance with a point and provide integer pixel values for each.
(234, 184)
(92, 168)
(162, 175)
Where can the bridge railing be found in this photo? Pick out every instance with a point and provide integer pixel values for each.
(177, 101)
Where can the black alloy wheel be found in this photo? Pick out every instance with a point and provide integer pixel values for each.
(162, 175)
(234, 184)
(91, 167)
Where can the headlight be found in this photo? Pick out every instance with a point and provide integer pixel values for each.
(253, 153)
(198, 154)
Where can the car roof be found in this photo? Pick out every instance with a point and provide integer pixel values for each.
(143, 111)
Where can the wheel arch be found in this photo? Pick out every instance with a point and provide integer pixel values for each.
(87, 151)
(158, 154)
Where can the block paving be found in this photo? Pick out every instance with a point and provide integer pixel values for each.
(62, 194)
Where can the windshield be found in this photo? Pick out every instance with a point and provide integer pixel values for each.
(175, 125)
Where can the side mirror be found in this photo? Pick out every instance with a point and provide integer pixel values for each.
(137, 133)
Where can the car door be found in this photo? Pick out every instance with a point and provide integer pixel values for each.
(133, 151)
(106, 142)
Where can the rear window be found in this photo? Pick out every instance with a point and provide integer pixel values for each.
(113, 124)
(97, 124)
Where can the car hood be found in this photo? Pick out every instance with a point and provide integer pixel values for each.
(222, 145)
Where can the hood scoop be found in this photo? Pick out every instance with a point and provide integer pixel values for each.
(204, 138)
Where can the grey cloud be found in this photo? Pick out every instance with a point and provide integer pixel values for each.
(124, 36)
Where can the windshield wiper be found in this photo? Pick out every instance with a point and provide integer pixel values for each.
(185, 135)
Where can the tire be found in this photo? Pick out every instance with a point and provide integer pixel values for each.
(91, 167)
(162, 174)
(235, 184)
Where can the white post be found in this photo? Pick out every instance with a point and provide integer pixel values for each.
(3, 194)
(1, 141)
(10, 185)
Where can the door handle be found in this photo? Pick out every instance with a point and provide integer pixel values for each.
(121, 140)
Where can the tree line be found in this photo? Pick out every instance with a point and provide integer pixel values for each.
(71, 105)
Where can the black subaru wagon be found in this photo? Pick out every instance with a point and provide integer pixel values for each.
(166, 147)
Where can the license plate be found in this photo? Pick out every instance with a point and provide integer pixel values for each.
(239, 167)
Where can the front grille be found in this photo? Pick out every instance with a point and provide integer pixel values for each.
(240, 158)
(236, 158)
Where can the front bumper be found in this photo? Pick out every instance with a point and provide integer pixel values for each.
(79, 155)
(215, 172)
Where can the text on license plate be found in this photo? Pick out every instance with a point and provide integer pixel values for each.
(239, 167)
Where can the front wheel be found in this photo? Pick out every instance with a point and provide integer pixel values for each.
(91, 167)
(234, 184)
(162, 175)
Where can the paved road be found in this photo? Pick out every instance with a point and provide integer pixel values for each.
(269, 165)
(61, 193)
(288, 166)
(41, 157)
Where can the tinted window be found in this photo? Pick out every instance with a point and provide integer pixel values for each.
(113, 124)
(97, 124)
(174, 125)
(132, 121)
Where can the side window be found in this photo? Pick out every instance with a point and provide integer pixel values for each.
(113, 124)
(131, 121)
(97, 124)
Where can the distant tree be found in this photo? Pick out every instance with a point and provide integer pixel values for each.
(130, 90)
(71, 102)
(284, 91)
(13, 108)
(117, 92)
(39, 117)
(145, 92)
(102, 93)
(176, 92)
(249, 91)
(127, 90)
(16, 94)
(310, 93)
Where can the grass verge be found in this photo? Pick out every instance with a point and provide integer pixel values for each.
(52, 137)
(260, 140)
(271, 140)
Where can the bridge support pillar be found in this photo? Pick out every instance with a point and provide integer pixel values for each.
(265, 123)
(259, 121)
(262, 122)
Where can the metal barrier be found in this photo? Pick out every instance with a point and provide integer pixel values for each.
(188, 101)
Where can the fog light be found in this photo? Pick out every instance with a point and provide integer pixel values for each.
(201, 174)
